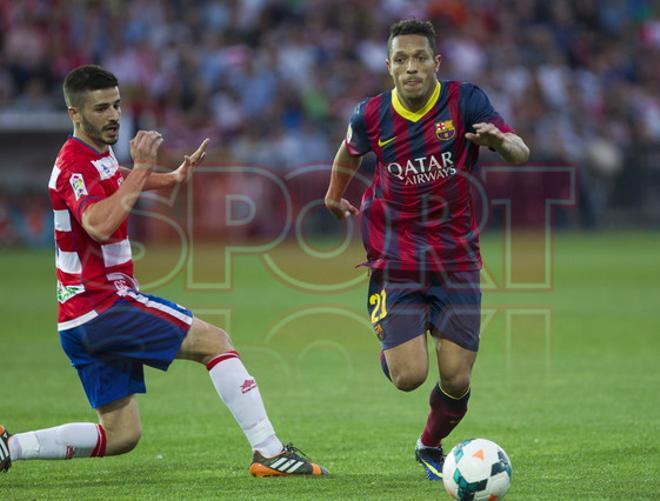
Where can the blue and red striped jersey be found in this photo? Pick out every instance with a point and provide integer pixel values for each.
(418, 212)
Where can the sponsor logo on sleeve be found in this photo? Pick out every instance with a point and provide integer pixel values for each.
(107, 166)
(78, 185)
(66, 292)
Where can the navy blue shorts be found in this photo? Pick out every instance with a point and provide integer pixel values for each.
(403, 306)
(110, 350)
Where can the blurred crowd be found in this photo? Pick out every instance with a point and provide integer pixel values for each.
(25, 220)
(273, 82)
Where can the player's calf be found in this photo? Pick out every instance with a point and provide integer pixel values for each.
(239, 391)
(121, 425)
(68, 441)
(121, 443)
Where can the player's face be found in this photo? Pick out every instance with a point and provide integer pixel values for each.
(413, 66)
(99, 117)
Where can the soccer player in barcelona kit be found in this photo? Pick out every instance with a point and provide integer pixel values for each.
(418, 222)
(107, 327)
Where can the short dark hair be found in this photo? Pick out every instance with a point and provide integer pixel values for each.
(86, 78)
(412, 27)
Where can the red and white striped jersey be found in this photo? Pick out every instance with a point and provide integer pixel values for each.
(91, 276)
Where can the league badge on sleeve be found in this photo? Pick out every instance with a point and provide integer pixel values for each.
(78, 185)
(445, 130)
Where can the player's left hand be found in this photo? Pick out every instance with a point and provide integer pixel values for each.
(341, 209)
(486, 134)
(184, 171)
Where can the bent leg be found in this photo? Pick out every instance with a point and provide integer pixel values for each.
(118, 432)
(212, 346)
(408, 363)
(455, 367)
(456, 318)
(204, 342)
(398, 312)
(67, 441)
(450, 397)
(120, 420)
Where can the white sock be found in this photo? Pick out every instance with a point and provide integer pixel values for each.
(73, 440)
(238, 390)
(420, 445)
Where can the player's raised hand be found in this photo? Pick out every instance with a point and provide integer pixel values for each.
(144, 149)
(486, 134)
(184, 171)
(341, 209)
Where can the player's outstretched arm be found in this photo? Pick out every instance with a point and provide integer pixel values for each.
(159, 181)
(508, 145)
(344, 168)
(101, 219)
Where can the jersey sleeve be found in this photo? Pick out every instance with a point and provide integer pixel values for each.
(80, 185)
(357, 140)
(477, 108)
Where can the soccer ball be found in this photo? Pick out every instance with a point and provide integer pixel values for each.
(477, 469)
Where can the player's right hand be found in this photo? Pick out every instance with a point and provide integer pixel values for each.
(144, 149)
(341, 209)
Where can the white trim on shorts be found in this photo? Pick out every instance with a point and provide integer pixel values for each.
(78, 321)
(161, 307)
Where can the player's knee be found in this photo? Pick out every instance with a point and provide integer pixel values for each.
(130, 441)
(208, 341)
(408, 380)
(121, 443)
(456, 384)
(218, 341)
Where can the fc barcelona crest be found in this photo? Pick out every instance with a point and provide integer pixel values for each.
(445, 130)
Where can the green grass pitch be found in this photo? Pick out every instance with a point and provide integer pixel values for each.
(567, 381)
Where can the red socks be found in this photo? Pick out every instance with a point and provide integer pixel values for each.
(446, 413)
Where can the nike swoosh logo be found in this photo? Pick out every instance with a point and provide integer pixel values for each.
(432, 468)
(382, 143)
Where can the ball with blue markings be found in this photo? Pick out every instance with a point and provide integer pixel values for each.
(477, 470)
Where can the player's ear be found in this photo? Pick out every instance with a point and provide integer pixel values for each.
(74, 114)
(438, 61)
(389, 66)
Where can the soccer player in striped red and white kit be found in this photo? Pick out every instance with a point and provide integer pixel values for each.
(418, 222)
(108, 328)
